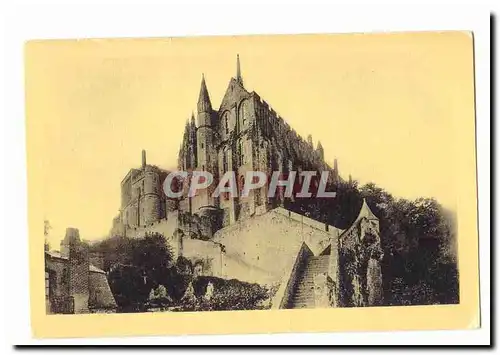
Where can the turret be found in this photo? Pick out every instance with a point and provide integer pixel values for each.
(320, 151)
(335, 170)
(143, 159)
(204, 106)
(206, 144)
(239, 79)
(205, 132)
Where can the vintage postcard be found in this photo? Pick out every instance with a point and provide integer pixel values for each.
(253, 184)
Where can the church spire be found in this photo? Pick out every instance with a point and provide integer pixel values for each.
(239, 79)
(192, 119)
(204, 104)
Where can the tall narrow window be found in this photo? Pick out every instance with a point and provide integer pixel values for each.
(242, 183)
(226, 122)
(243, 112)
(224, 161)
(240, 153)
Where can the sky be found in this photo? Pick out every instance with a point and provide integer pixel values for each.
(385, 106)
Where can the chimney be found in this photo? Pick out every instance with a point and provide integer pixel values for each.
(78, 271)
(143, 159)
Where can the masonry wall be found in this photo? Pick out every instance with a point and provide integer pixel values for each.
(166, 227)
(79, 276)
(254, 244)
(59, 297)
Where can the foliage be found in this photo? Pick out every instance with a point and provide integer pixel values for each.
(135, 266)
(227, 295)
(417, 238)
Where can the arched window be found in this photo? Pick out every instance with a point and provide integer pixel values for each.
(242, 183)
(224, 161)
(243, 114)
(241, 153)
(226, 122)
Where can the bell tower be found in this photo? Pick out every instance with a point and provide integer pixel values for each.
(205, 133)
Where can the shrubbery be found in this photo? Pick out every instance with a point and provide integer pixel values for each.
(142, 275)
(417, 237)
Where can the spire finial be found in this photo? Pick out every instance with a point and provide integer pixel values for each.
(238, 70)
(204, 104)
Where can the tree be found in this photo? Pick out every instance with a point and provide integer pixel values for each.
(152, 253)
(136, 265)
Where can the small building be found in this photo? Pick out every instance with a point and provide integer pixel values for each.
(72, 283)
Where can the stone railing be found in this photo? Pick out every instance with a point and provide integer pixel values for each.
(282, 297)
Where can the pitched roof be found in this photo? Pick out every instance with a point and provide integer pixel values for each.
(364, 212)
(100, 295)
(56, 254)
(204, 104)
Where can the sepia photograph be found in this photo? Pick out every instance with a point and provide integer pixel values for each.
(210, 175)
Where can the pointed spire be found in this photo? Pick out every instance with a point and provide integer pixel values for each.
(192, 119)
(335, 165)
(204, 104)
(239, 79)
(143, 159)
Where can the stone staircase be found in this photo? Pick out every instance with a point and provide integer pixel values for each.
(303, 296)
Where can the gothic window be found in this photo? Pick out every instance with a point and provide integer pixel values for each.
(224, 161)
(226, 193)
(202, 145)
(242, 183)
(243, 114)
(226, 122)
(241, 153)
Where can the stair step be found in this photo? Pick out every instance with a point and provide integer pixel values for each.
(303, 296)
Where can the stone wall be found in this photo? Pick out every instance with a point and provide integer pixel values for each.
(79, 276)
(284, 295)
(359, 264)
(260, 248)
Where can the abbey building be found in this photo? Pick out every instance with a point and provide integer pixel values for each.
(254, 238)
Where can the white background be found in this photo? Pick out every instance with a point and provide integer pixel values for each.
(24, 21)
